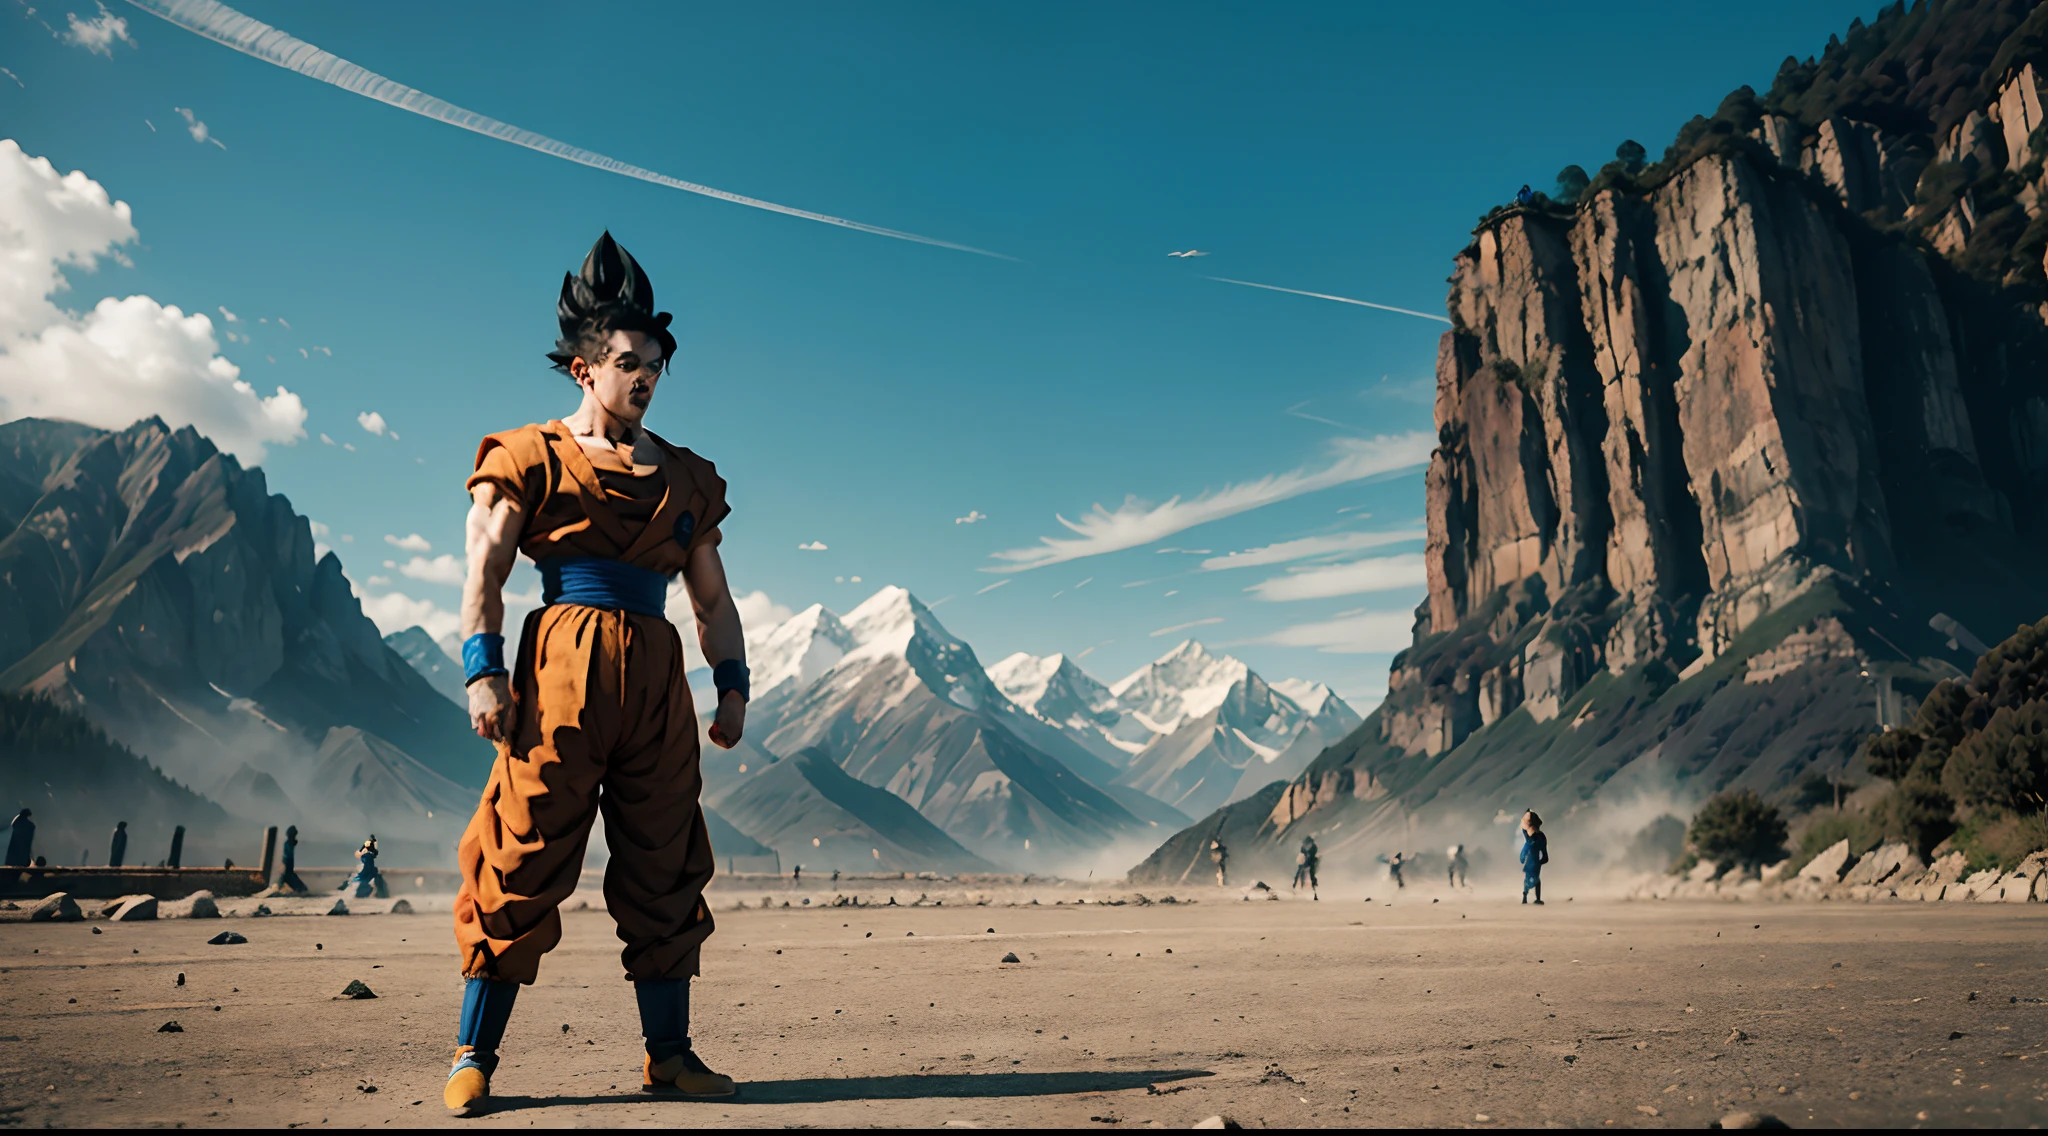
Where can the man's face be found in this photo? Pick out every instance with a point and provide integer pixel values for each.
(624, 382)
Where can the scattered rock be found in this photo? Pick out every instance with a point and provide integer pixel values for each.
(1217, 1122)
(356, 989)
(340, 908)
(1648, 1110)
(262, 909)
(401, 907)
(181, 978)
(1735, 1035)
(1829, 865)
(1955, 1035)
(1012, 957)
(170, 1027)
(198, 905)
(56, 908)
(1749, 1120)
(227, 939)
(135, 908)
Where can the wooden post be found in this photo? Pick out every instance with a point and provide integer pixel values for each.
(269, 851)
(177, 848)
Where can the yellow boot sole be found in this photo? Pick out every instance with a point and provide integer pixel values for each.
(466, 1092)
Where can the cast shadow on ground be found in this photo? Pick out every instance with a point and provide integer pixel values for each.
(912, 1086)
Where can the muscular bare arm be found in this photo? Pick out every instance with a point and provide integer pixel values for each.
(491, 543)
(719, 634)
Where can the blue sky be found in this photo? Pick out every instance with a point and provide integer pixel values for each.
(862, 392)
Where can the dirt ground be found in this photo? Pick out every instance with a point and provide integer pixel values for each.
(1340, 1012)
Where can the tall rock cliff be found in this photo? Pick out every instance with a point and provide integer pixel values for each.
(1718, 437)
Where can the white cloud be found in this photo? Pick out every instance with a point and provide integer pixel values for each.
(396, 611)
(1185, 626)
(811, 546)
(284, 323)
(974, 516)
(349, 446)
(197, 129)
(126, 358)
(991, 587)
(1136, 523)
(1350, 633)
(855, 579)
(372, 421)
(1377, 574)
(442, 569)
(228, 315)
(320, 529)
(348, 538)
(98, 35)
(1309, 546)
(327, 351)
(379, 581)
(411, 542)
(325, 440)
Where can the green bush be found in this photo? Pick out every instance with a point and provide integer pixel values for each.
(2001, 842)
(1571, 184)
(2003, 766)
(1739, 830)
(1916, 813)
(1631, 155)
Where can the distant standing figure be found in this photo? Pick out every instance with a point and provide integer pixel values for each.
(120, 851)
(796, 874)
(21, 840)
(1221, 856)
(290, 878)
(368, 880)
(1305, 863)
(1535, 854)
(1394, 869)
(1458, 865)
(1524, 196)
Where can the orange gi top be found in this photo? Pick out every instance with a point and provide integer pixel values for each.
(603, 721)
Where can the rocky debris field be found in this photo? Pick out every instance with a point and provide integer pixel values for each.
(1888, 872)
(1426, 1011)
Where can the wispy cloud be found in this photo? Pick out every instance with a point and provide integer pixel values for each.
(811, 546)
(372, 421)
(1185, 626)
(992, 587)
(1316, 295)
(197, 129)
(1136, 523)
(228, 315)
(1308, 546)
(230, 28)
(98, 35)
(973, 517)
(411, 542)
(22, 85)
(1378, 574)
(1351, 633)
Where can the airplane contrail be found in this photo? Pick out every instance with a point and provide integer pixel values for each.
(1317, 295)
(252, 37)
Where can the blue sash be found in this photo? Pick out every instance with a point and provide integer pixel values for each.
(595, 581)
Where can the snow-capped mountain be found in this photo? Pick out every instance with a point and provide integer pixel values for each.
(1054, 689)
(1192, 729)
(1220, 726)
(910, 709)
(795, 652)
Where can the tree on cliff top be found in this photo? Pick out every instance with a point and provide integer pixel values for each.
(1739, 830)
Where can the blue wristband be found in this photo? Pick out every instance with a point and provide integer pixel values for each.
(483, 655)
(730, 675)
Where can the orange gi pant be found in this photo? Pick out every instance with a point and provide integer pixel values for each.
(604, 723)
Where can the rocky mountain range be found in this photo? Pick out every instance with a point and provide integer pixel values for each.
(157, 588)
(1734, 450)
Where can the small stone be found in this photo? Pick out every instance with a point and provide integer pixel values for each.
(170, 1027)
(1955, 1035)
(340, 908)
(1749, 1120)
(1735, 1035)
(356, 989)
(181, 978)
(1648, 1110)
(1012, 957)
(401, 907)
(228, 939)
(97, 931)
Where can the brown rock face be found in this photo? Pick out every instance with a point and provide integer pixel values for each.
(1714, 445)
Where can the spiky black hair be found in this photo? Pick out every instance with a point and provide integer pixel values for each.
(612, 293)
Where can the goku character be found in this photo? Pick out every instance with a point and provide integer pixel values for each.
(593, 717)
